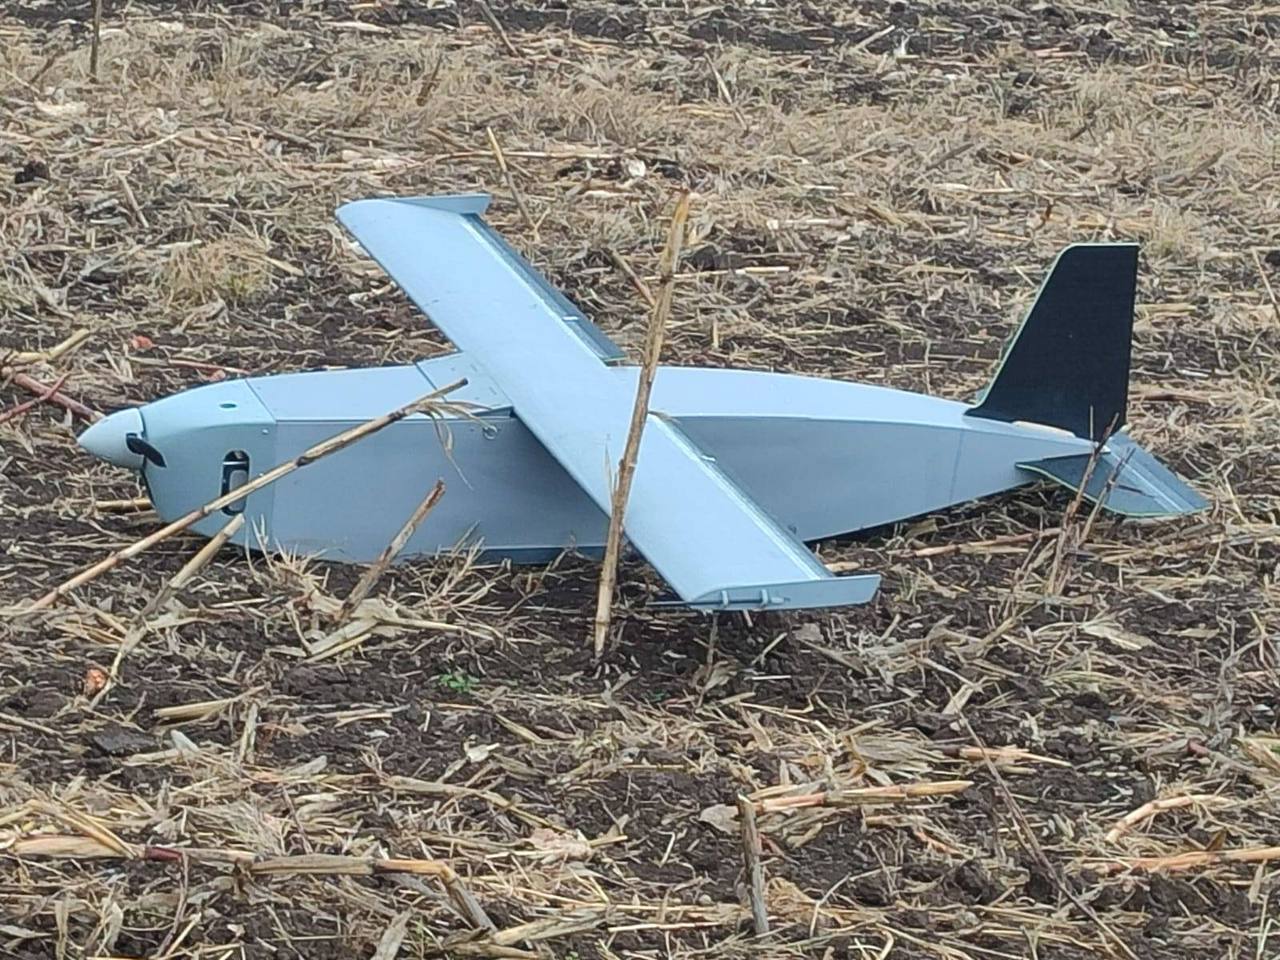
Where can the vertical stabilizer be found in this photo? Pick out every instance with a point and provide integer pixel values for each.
(1068, 365)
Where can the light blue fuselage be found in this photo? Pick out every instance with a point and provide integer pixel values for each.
(824, 457)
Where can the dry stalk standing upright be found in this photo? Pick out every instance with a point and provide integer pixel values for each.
(639, 413)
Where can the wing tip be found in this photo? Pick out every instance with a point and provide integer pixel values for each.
(459, 203)
(800, 595)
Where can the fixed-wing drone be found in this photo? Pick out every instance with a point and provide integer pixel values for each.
(736, 471)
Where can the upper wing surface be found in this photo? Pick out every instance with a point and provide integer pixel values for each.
(706, 537)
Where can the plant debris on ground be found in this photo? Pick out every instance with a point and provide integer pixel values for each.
(1018, 750)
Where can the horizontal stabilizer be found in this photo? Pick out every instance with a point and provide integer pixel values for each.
(1142, 485)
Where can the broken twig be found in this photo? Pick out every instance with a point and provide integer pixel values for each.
(374, 572)
(1190, 860)
(755, 870)
(26, 405)
(1152, 807)
(189, 569)
(501, 160)
(639, 413)
(53, 396)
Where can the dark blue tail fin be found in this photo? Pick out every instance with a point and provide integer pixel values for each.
(1068, 365)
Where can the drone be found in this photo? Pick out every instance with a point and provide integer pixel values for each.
(737, 469)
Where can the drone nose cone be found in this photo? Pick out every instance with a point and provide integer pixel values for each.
(109, 438)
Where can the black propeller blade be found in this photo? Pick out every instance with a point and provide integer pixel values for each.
(139, 446)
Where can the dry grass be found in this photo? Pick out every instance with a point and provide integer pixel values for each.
(878, 193)
(228, 270)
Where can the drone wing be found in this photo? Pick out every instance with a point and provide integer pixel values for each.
(707, 538)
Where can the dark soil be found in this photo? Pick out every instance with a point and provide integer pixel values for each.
(907, 171)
